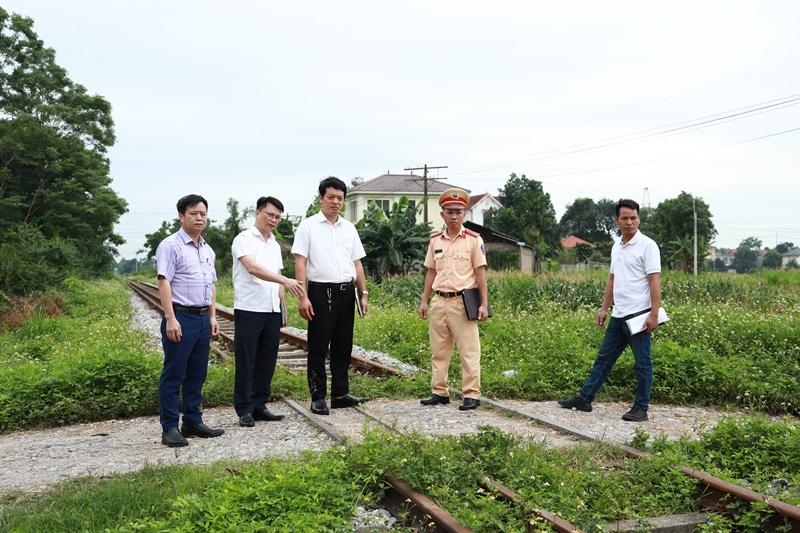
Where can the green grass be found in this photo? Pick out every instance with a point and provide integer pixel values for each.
(732, 341)
(587, 485)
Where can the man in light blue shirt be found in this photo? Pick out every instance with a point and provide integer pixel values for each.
(186, 285)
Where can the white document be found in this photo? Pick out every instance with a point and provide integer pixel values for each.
(636, 324)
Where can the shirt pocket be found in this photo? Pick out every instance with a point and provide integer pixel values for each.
(462, 262)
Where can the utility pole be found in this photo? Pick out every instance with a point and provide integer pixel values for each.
(425, 169)
(694, 211)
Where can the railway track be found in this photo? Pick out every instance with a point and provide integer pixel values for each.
(293, 350)
(713, 493)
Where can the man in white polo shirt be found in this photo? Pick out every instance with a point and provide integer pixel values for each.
(634, 287)
(328, 252)
(258, 292)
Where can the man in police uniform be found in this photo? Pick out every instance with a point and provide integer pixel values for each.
(456, 260)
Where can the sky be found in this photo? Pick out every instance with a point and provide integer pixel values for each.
(596, 100)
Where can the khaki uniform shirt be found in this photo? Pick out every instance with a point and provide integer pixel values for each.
(455, 260)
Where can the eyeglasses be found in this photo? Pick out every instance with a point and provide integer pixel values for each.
(271, 216)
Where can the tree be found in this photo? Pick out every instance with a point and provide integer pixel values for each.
(54, 176)
(784, 247)
(219, 237)
(152, 240)
(746, 257)
(593, 222)
(671, 225)
(527, 212)
(772, 259)
(395, 244)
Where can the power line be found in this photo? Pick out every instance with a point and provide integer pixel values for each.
(648, 134)
(685, 154)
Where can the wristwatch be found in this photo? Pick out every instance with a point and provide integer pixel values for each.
(364, 293)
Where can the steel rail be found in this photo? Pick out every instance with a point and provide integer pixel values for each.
(399, 493)
(225, 318)
(714, 489)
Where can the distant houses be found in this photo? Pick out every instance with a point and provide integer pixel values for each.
(791, 259)
(387, 189)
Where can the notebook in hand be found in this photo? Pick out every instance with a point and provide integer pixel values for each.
(472, 300)
(358, 304)
(636, 324)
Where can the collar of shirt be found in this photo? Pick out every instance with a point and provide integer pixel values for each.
(256, 233)
(461, 233)
(321, 219)
(186, 238)
(634, 239)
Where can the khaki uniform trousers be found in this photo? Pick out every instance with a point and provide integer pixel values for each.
(448, 326)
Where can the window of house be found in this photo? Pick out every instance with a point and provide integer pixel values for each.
(383, 204)
(351, 211)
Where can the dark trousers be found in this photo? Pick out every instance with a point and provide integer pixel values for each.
(616, 338)
(256, 341)
(184, 371)
(334, 312)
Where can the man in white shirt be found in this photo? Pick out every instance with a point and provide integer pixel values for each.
(258, 293)
(634, 287)
(328, 252)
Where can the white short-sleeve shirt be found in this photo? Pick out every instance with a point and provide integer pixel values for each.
(249, 292)
(631, 263)
(329, 248)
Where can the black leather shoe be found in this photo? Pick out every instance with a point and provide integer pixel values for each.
(435, 399)
(173, 438)
(576, 402)
(345, 401)
(319, 407)
(264, 414)
(469, 404)
(201, 430)
(246, 421)
(636, 414)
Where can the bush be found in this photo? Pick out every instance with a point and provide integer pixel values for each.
(502, 259)
(31, 262)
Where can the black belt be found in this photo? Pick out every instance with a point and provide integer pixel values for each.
(346, 286)
(190, 310)
(448, 294)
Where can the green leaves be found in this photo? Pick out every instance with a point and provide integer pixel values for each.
(395, 244)
(53, 171)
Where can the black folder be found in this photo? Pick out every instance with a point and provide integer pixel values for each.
(472, 300)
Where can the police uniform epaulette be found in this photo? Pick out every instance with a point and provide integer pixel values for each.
(471, 232)
(436, 233)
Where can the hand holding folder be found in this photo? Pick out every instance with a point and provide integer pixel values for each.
(636, 323)
(472, 301)
(358, 304)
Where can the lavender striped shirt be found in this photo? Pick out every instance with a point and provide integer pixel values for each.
(188, 268)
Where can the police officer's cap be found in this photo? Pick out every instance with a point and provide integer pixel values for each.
(454, 198)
